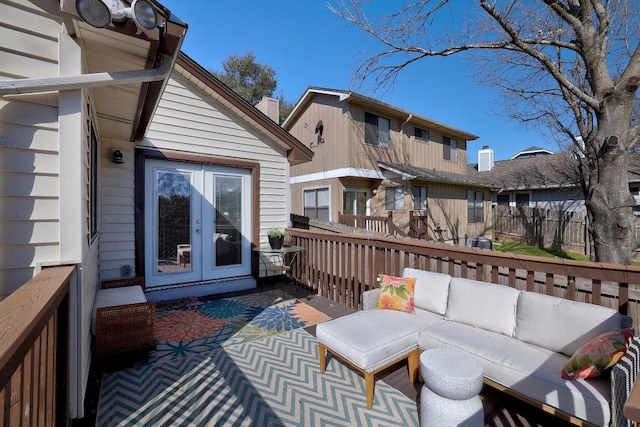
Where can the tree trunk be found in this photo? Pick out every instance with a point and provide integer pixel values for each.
(610, 202)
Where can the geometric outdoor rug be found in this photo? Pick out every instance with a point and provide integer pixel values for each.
(199, 325)
(271, 381)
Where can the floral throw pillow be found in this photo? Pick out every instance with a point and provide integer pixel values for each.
(396, 293)
(597, 355)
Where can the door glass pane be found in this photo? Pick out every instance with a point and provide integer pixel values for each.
(173, 192)
(228, 226)
(348, 205)
(354, 202)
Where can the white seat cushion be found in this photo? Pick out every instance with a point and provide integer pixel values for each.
(371, 339)
(530, 370)
(116, 296)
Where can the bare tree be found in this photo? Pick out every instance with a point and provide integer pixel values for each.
(572, 66)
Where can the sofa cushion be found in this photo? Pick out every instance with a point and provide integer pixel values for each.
(432, 289)
(527, 369)
(396, 293)
(600, 353)
(540, 316)
(483, 305)
(116, 296)
(371, 339)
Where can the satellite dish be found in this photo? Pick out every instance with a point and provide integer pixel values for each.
(319, 127)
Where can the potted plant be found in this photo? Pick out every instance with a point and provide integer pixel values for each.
(276, 238)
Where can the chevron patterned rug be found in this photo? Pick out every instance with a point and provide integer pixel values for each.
(272, 381)
(193, 326)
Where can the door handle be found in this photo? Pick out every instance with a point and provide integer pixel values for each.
(197, 230)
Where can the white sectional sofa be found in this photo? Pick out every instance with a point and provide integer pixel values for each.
(522, 339)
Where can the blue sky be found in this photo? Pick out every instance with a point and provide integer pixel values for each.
(307, 45)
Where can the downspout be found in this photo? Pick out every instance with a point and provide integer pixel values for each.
(83, 81)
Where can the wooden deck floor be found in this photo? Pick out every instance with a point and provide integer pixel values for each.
(501, 410)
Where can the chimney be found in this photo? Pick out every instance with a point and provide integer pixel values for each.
(270, 107)
(485, 159)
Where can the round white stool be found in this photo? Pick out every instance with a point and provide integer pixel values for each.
(452, 381)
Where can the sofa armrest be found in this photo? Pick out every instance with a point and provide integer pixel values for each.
(624, 374)
(370, 299)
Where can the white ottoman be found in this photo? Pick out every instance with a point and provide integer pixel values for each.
(452, 381)
(371, 341)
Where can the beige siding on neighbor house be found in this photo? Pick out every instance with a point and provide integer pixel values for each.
(331, 154)
(447, 206)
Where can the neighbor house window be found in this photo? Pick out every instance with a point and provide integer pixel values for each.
(502, 200)
(421, 134)
(522, 200)
(419, 197)
(394, 198)
(93, 183)
(376, 130)
(475, 205)
(450, 149)
(354, 202)
(316, 203)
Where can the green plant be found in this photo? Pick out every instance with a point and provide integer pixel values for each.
(275, 232)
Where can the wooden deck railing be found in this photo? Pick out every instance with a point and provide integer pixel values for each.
(379, 224)
(341, 267)
(34, 351)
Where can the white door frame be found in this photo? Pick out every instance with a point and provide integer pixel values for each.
(201, 266)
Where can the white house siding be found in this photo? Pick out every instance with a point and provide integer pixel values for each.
(117, 221)
(29, 167)
(188, 120)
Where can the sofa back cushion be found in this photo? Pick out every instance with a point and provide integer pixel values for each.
(431, 290)
(483, 305)
(561, 325)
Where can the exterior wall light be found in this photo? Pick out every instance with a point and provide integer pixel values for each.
(100, 13)
(116, 156)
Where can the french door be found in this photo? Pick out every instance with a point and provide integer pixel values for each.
(197, 222)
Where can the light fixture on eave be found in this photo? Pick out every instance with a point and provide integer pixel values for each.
(100, 13)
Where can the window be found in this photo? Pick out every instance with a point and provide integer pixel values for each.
(316, 203)
(450, 149)
(475, 206)
(421, 134)
(354, 202)
(522, 200)
(395, 198)
(419, 197)
(502, 200)
(376, 130)
(93, 183)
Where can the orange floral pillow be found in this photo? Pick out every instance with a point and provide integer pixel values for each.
(597, 355)
(396, 293)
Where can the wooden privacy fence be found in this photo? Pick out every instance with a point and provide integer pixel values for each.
(341, 267)
(34, 351)
(542, 227)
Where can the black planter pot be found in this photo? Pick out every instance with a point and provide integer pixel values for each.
(276, 242)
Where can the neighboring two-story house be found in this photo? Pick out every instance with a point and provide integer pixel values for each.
(371, 158)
